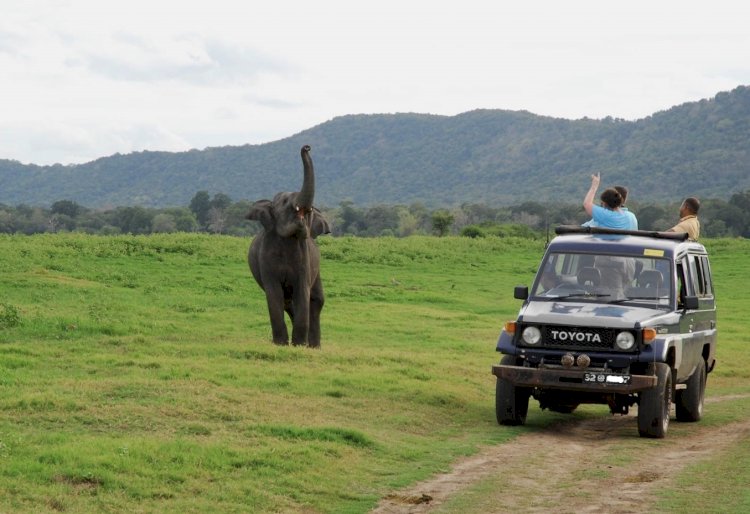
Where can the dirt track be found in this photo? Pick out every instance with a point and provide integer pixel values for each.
(571, 457)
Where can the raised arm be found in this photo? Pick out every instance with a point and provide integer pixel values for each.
(588, 201)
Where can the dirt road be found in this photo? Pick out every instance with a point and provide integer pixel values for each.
(565, 467)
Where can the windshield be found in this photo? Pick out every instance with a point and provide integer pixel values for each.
(604, 278)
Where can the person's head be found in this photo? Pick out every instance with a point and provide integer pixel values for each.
(611, 198)
(623, 192)
(690, 206)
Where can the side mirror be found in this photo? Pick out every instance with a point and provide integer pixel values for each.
(522, 293)
(691, 303)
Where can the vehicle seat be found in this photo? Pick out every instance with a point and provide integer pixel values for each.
(589, 277)
(650, 278)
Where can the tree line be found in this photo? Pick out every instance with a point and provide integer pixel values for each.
(219, 214)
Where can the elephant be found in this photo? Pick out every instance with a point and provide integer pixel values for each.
(285, 261)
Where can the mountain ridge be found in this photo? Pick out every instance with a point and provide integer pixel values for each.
(480, 156)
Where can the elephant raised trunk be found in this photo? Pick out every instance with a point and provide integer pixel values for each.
(307, 193)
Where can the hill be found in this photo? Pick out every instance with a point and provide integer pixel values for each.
(483, 156)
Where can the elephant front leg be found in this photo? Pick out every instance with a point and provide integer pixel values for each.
(316, 305)
(301, 322)
(275, 300)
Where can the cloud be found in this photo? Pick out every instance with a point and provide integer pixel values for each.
(47, 142)
(185, 58)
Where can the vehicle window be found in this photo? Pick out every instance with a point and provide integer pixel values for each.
(706, 267)
(579, 276)
(695, 276)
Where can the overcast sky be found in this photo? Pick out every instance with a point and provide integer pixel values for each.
(86, 79)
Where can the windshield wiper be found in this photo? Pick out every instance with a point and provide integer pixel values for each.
(629, 298)
(574, 295)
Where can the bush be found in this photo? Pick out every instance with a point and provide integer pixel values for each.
(9, 316)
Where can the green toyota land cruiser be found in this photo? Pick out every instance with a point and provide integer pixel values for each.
(613, 317)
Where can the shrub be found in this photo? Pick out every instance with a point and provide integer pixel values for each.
(9, 316)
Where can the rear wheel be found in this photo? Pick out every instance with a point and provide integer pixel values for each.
(654, 404)
(689, 401)
(511, 402)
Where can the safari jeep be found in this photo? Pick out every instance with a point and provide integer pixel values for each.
(613, 317)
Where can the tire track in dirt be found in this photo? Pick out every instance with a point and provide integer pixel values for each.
(565, 468)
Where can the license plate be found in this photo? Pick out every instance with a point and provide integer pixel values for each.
(605, 378)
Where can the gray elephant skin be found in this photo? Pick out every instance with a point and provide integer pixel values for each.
(285, 260)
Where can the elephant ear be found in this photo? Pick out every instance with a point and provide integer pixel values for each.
(262, 211)
(318, 225)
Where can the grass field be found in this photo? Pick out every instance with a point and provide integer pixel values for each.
(137, 373)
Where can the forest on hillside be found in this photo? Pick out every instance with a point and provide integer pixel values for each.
(219, 214)
(491, 157)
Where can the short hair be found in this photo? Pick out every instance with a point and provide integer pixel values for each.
(692, 204)
(611, 198)
(623, 192)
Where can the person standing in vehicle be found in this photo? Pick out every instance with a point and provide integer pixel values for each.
(608, 215)
(633, 220)
(689, 223)
(616, 272)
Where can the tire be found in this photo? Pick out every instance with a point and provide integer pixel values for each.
(654, 404)
(689, 401)
(511, 402)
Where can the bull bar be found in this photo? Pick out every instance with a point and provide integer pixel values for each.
(570, 379)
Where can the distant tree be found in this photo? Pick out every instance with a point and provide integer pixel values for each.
(200, 205)
(441, 222)
(652, 217)
(380, 220)
(742, 202)
(184, 219)
(423, 216)
(352, 220)
(220, 201)
(217, 221)
(163, 223)
(408, 224)
(7, 225)
(132, 220)
(58, 222)
(66, 207)
(236, 222)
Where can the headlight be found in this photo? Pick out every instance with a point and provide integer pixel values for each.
(625, 341)
(531, 335)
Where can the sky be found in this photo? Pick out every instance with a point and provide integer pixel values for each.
(83, 79)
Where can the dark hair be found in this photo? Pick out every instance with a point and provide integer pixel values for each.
(623, 192)
(693, 204)
(611, 198)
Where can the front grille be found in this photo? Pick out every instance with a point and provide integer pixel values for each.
(578, 338)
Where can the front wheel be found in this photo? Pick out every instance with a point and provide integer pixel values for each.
(511, 402)
(689, 402)
(654, 404)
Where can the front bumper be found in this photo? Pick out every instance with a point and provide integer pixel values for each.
(571, 379)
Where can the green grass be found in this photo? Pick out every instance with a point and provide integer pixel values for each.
(137, 373)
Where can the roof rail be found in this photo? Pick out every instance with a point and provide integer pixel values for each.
(579, 229)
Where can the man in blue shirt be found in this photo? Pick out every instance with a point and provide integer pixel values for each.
(607, 215)
(624, 193)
